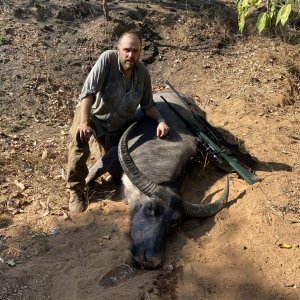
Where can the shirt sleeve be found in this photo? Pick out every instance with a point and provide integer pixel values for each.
(147, 100)
(96, 78)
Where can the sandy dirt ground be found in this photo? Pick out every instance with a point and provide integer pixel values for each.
(249, 87)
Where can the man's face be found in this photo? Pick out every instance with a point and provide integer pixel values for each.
(129, 51)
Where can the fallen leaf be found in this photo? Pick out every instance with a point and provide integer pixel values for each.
(290, 285)
(63, 174)
(20, 185)
(44, 205)
(285, 246)
(66, 216)
(44, 154)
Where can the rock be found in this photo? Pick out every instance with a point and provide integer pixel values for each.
(170, 268)
(11, 263)
(54, 231)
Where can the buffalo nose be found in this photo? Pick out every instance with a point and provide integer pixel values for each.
(152, 261)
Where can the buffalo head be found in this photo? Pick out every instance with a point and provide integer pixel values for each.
(158, 209)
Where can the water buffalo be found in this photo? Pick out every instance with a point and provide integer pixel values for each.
(152, 169)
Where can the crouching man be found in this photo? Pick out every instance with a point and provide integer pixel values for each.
(117, 84)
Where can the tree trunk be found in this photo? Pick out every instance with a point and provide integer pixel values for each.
(105, 10)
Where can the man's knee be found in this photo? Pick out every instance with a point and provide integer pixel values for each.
(96, 148)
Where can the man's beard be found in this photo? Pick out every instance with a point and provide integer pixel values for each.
(128, 65)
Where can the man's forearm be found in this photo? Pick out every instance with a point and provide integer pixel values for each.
(154, 114)
(85, 109)
(162, 127)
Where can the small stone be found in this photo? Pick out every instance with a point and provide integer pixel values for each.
(11, 263)
(54, 231)
(170, 268)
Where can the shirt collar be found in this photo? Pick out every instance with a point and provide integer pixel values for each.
(119, 64)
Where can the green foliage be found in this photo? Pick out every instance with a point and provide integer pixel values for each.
(262, 21)
(284, 13)
(5, 39)
(279, 9)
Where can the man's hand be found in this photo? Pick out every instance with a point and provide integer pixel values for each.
(162, 129)
(84, 132)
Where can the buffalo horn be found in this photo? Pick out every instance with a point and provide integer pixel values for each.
(207, 210)
(144, 184)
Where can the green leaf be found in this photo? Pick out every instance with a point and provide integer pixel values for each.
(283, 14)
(255, 2)
(272, 8)
(262, 22)
(241, 22)
(245, 3)
(286, 10)
(279, 15)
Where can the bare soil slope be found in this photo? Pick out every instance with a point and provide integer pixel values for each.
(249, 87)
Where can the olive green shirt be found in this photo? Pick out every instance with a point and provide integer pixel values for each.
(115, 101)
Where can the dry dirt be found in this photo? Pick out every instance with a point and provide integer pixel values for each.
(249, 87)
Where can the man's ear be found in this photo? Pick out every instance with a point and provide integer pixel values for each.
(116, 45)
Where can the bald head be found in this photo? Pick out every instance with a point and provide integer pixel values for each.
(134, 35)
(129, 50)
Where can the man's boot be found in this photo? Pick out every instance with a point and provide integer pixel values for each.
(76, 202)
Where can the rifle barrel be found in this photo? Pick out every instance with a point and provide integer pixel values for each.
(249, 177)
(209, 129)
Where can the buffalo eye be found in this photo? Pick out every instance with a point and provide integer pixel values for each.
(152, 209)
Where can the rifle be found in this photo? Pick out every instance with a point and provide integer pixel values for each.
(213, 141)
